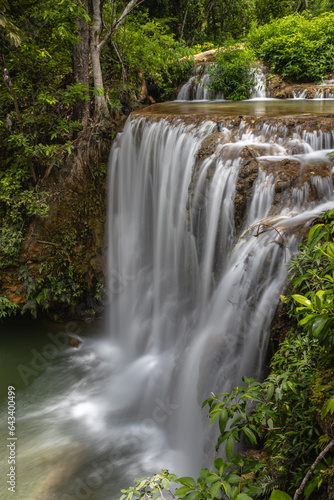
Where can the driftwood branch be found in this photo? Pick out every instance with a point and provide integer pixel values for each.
(269, 226)
(313, 466)
(252, 153)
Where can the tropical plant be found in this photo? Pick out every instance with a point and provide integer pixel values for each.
(298, 46)
(233, 73)
(312, 276)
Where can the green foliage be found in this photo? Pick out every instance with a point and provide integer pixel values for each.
(203, 47)
(201, 21)
(17, 207)
(49, 285)
(312, 277)
(226, 480)
(233, 73)
(266, 10)
(7, 307)
(148, 51)
(279, 495)
(298, 46)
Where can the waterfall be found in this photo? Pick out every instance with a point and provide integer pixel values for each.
(196, 285)
(196, 88)
(259, 90)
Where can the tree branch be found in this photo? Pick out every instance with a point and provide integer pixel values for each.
(113, 29)
(313, 466)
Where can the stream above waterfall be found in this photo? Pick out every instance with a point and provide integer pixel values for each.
(191, 294)
(253, 107)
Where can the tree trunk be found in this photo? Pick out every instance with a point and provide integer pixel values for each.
(101, 107)
(97, 42)
(81, 65)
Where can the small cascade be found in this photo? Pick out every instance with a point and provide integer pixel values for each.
(324, 94)
(301, 94)
(196, 88)
(259, 90)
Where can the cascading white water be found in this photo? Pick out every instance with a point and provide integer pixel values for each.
(193, 315)
(196, 88)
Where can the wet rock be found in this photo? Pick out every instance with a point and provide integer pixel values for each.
(68, 464)
(247, 176)
(280, 89)
(210, 145)
(75, 342)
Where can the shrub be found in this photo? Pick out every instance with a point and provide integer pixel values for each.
(298, 47)
(233, 73)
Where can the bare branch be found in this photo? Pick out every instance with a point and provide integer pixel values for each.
(313, 466)
(131, 5)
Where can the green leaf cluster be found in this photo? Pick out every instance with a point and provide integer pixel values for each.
(233, 73)
(312, 277)
(299, 47)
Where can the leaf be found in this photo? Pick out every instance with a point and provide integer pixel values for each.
(330, 250)
(319, 325)
(314, 238)
(302, 300)
(292, 387)
(229, 447)
(270, 391)
(223, 418)
(215, 489)
(243, 496)
(166, 484)
(211, 479)
(279, 495)
(250, 435)
(234, 479)
(310, 487)
(183, 490)
(188, 481)
(307, 319)
(195, 495)
(319, 299)
(327, 407)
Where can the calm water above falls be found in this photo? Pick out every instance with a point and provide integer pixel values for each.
(252, 107)
(191, 297)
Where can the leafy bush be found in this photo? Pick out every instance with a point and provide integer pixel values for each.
(233, 73)
(312, 275)
(299, 47)
(150, 52)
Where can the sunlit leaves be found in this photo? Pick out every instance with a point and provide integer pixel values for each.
(298, 46)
